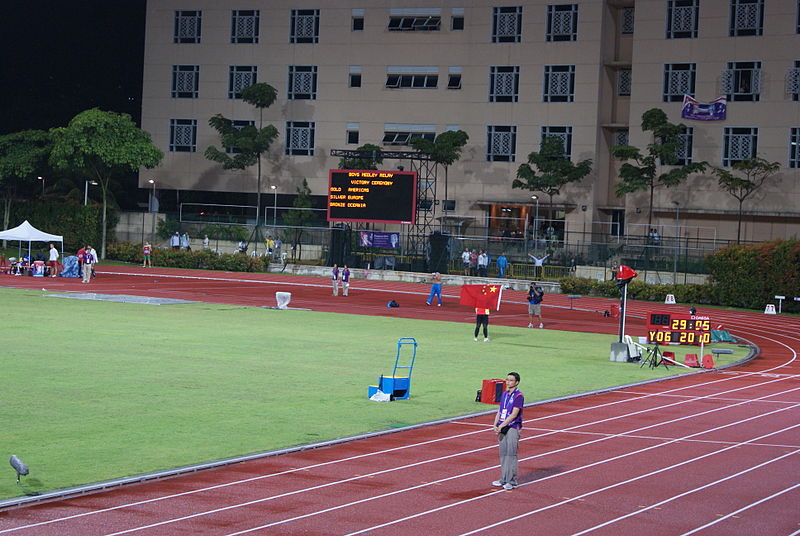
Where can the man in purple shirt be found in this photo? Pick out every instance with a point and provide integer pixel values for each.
(507, 426)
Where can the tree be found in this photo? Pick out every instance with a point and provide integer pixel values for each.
(22, 156)
(301, 215)
(103, 145)
(445, 150)
(662, 151)
(363, 162)
(755, 172)
(553, 170)
(249, 142)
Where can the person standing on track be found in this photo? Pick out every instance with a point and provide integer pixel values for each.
(507, 426)
(335, 279)
(147, 250)
(436, 288)
(345, 280)
(535, 297)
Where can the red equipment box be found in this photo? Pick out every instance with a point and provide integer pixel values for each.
(492, 390)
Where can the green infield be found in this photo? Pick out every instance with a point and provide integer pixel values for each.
(95, 390)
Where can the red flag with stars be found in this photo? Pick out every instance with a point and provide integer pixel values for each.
(481, 296)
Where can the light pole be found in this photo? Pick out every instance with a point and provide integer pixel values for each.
(677, 241)
(536, 223)
(153, 208)
(86, 190)
(274, 206)
(42, 179)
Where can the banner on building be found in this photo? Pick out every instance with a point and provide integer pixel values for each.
(715, 110)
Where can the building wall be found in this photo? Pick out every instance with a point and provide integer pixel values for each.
(598, 54)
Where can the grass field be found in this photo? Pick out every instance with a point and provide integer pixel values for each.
(94, 390)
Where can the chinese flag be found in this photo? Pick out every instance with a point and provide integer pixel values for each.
(481, 296)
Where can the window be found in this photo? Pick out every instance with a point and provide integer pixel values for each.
(239, 124)
(183, 135)
(352, 133)
(562, 22)
(621, 136)
(305, 26)
(507, 24)
(626, 24)
(454, 78)
(187, 26)
(503, 83)
(412, 77)
(355, 76)
(562, 133)
(742, 80)
(411, 23)
(300, 138)
(185, 81)
(747, 17)
(302, 82)
(240, 77)
(682, 17)
(402, 133)
(559, 83)
(679, 80)
(624, 83)
(739, 143)
(501, 143)
(457, 19)
(244, 26)
(683, 155)
(793, 81)
(358, 20)
(794, 147)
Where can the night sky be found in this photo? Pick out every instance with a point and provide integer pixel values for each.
(60, 58)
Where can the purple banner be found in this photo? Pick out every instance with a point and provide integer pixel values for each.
(377, 239)
(715, 110)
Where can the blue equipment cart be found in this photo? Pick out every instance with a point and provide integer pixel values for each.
(398, 385)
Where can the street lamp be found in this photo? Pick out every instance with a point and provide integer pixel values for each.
(274, 205)
(42, 179)
(677, 241)
(153, 207)
(535, 221)
(86, 190)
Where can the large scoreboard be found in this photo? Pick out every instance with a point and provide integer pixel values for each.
(372, 196)
(679, 328)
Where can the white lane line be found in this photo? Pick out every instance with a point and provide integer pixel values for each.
(628, 481)
(740, 510)
(686, 493)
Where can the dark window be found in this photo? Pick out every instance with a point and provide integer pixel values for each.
(352, 137)
(742, 81)
(454, 81)
(358, 24)
(457, 23)
(412, 80)
(415, 23)
(355, 79)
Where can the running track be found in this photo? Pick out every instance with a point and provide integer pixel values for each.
(712, 454)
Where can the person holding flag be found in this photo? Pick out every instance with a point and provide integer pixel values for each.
(483, 298)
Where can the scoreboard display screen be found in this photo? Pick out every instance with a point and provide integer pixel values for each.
(372, 196)
(679, 328)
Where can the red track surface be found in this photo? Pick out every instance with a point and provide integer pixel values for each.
(712, 454)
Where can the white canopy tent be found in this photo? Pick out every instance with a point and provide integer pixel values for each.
(25, 232)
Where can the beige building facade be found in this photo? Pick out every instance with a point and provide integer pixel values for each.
(506, 73)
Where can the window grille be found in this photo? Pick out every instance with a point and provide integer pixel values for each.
(562, 22)
(244, 26)
(683, 155)
(302, 82)
(682, 18)
(504, 84)
(501, 143)
(793, 81)
(240, 77)
(747, 17)
(507, 24)
(304, 26)
(185, 81)
(300, 138)
(564, 134)
(183, 135)
(239, 124)
(621, 136)
(559, 83)
(679, 80)
(187, 26)
(739, 143)
(626, 26)
(624, 80)
(741, 81)
(794, 147)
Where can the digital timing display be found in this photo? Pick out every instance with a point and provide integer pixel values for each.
(678, 328)
(372, 196)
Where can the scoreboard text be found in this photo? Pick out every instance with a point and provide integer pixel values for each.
(372, 196)
(679, 328)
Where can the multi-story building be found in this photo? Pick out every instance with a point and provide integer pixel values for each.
(506, 73)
